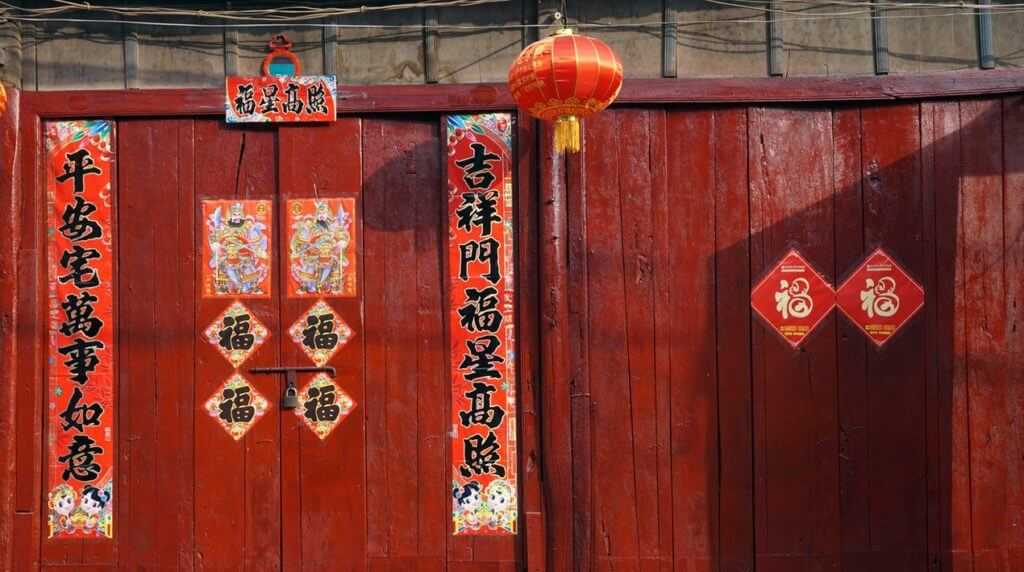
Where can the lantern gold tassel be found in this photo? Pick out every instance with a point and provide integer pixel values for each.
(567, 134)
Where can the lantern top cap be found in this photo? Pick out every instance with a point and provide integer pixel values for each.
(564, 32)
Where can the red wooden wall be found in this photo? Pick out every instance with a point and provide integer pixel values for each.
(700, 440)
(678, 433)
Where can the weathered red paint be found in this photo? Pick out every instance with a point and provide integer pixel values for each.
(731, 450)
(495, 97)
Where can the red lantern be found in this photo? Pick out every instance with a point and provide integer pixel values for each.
(565, 78)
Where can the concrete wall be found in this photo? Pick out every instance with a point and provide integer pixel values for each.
(712, 40)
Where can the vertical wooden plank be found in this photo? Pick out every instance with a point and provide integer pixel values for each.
(219, 461)
(896, 383)
(433, 382)
(262, 444)
(942, 136)
(854, 449)
(564, 455)
(150, 319)
(984, 292)
(238, 483)
(934, 344)
(690, 242)
(180, 400)
(662, 342)
(1013, 234)
(735, 539)
(566, 177)
(374, 279)
(324, 484)
(797, 512)
(636, 200)
(402, 158)
(28, 503)
(400, 166)
(156, 167)
(613, 488)
(9, 236)
(534, 530)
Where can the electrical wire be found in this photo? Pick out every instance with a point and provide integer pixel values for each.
(469, 27)
(866, 7)
(883, 4)
(301, 16)
(282, 14)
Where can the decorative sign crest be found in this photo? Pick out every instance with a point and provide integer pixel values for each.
(282, 94)
(879, 297)
(324, 405)
(237, 406)
(792, 298)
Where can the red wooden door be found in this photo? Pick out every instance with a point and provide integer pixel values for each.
(375, 490)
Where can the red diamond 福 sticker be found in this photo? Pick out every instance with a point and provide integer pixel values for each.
(236, 406)
(879, 297)
(324, 405)
(236, 333)
(320, 332)
(792, 298)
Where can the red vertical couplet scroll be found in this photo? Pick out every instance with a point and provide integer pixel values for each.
(80, 266)
(481, 316)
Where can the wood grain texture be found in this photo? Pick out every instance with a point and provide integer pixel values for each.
(28, 503)
(992, 440)
(689, 257)
(895, 376)
(495, 96)
(614, 490)
(9, 236)
(796, 434)
(534, 521)
(733, 332)
(564, 394)
(156, 369)
(670, 431)
(324, 481)
(238, 483)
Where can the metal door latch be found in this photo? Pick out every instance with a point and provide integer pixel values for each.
(290, 397)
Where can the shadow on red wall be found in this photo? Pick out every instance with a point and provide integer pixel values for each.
(699, 439)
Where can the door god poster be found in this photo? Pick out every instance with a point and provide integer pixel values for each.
(236, 248)
(481, 318)
(321, 247)
(80, 369)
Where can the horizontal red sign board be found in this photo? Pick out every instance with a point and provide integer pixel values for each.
(281, 99)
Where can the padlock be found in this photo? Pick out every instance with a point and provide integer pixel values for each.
(290, 399)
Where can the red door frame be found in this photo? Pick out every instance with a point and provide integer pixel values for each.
(547, 536)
